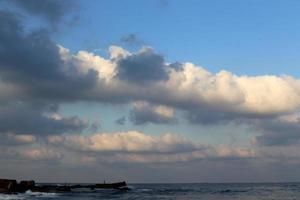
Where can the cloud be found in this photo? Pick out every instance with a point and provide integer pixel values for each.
(40, 154)
(143, 67)
(281, 131)
(138, 147)
(50, 73)
(25, 138)
(51, 10)
(30, 153)
(39, 68)
(45, 70)
(40, 74)
(131, 141)
(231, 95)
(37, 76)
(206, 97)
(144, 112)
(33, 118)
(11, 139)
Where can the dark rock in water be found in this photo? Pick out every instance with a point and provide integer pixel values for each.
(26, 185)
(117, 185)
(111, 185)
(51, 188)
(8, 186)
(11, 186)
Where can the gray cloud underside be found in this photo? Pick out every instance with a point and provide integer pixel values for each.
(143, 113)
(31, 69)
(145, 67)
(24, 118)
(282, 131)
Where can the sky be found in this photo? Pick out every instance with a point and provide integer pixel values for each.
(153, 91)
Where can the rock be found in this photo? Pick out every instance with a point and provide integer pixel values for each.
(52, 188)
(116, 185)
(8, 186)
(26, 185)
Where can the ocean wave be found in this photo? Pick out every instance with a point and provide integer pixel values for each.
(230, 191)
(11, 197)
(40, 194)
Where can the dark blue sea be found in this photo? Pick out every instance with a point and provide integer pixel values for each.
(243, 191)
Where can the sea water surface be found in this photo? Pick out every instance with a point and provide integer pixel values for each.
(211, 191)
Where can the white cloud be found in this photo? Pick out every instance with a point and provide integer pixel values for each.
(131, 141)
(191, 88)
(85, 61)
(231, 93)
(117, 52)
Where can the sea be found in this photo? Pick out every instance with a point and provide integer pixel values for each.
(205, 191)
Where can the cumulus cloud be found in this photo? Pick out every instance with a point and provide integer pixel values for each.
(232, 95)
(207, 97)
(39, 69)
(50, 72)
(34, 69)
(37, 76)
(143, 67)
(32, 76)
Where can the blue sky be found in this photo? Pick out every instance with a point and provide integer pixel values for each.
(162, 86)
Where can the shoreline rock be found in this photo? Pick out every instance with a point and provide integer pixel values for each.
(9, 186)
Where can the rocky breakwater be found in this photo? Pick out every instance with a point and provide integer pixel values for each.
(9, 186)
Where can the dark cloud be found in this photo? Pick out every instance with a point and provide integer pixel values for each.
(33, 62)
(36, 118)
(144, 67)
(278, 132)
(148, 114)
(121, 120)
(208, 117)
(51, 10)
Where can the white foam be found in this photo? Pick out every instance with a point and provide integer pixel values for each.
(11, 197)
(40, 194)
